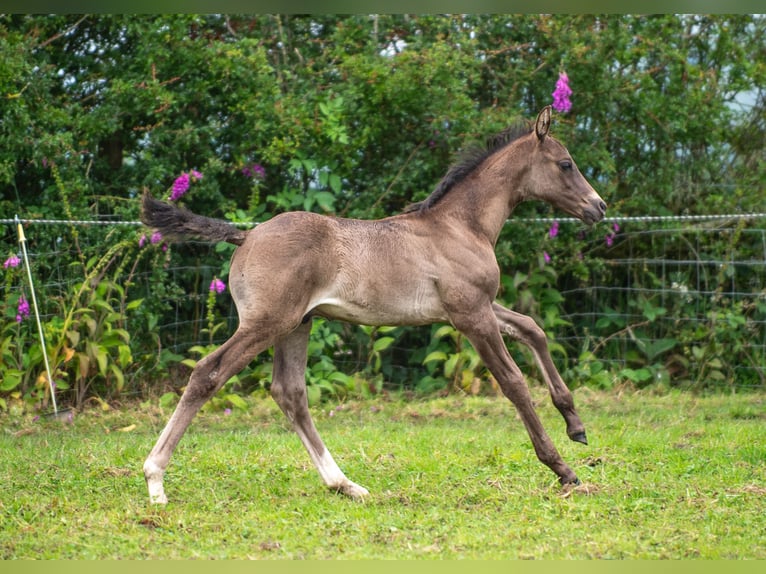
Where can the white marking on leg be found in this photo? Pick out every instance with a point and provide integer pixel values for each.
(330, 472)
(153, 475)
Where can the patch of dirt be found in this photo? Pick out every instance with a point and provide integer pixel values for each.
(748, 489)
(586, 489)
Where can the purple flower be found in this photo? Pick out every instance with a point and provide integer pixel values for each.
(180, 186)
(255, 171)
(616, 227)
(561, 94)
(12, 261)
(227, 411)
(546, 257)
(195, 174)
(554, 230)
(156, 237)
(218, 286)
(142, 240)
(609, 239)
(22, 311)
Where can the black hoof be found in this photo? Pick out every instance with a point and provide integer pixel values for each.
(579, 437)
(575, 482)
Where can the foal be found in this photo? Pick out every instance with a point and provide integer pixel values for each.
(433, 263)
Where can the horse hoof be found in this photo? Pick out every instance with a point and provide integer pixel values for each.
(579, 437)
(565, 482)
(160, 499)
(353, 490)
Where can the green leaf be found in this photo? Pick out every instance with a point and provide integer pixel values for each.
(102, 357)
(325, 200)
(236, 401)
(657, 348)
(11, 379)
(335, 181)
(118, 375)
(314, 394)
(450, 364)
(435, 356)
(382, 344)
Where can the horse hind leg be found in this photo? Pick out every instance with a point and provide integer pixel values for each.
(524, 329)
(288, 388)
(206, 379)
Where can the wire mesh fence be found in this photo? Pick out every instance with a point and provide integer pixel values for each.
(669, 298)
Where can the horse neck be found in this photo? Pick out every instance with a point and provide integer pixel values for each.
(487, 197)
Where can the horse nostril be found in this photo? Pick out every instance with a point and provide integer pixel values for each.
(602, 206)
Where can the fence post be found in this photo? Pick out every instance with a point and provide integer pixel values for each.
(23, 242)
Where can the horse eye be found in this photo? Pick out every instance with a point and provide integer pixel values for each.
(566, 165)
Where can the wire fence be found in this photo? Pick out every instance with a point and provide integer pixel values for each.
(679, 298)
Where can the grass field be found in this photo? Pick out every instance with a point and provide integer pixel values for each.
(665, 476)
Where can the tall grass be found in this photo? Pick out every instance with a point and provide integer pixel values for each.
(665, 476)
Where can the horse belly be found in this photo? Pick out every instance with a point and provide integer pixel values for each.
(385, 305)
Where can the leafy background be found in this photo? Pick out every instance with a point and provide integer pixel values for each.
(358, 116)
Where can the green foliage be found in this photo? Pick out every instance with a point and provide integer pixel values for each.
(358, 116)
(460, 365)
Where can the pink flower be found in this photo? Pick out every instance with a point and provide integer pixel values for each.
(546, 257)
(182, 182)
(22, 311)
(554, 230)
(142, 240)
(561, 94)
(12, 261)
(616, 227)
(609, 239)
(180, 186)
(255, 171)
(156, 237)
(218, 286)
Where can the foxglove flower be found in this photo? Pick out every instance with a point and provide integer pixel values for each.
(255, 171)
(554, 230)
(217, 286)
(180, 186)
(12, 261)
(22, 311)
(546, 257)
(561, 102)
(156, 237)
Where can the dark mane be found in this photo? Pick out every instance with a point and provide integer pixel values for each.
(469, 160)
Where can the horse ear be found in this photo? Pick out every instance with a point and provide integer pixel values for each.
(543, 123)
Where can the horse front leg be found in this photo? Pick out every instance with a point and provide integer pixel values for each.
(288, 388)
(524, 329)
(206, 379)
(482, 331)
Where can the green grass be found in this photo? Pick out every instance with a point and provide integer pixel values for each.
(665, 476)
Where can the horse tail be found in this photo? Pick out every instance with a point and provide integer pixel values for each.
(176, 223)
